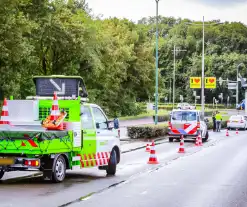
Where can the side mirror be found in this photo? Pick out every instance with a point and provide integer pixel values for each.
(173, 118)
(97, 125)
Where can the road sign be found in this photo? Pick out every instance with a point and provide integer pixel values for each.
(195, 82)
(232, 86)
(198, 97)
(210, 82)
(61, 90)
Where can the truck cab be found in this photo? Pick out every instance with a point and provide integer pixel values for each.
(87, 139)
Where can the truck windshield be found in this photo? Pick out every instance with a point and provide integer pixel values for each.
(184, 115)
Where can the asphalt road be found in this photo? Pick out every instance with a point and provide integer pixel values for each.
(212, 175)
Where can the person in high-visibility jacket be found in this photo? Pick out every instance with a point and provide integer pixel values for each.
(218, 118)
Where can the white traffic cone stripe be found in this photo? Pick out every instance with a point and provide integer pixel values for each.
(55, 113)
(5, 108)
(55, 102)
(4, 118)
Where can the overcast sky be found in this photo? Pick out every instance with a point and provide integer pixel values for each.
(225, 10)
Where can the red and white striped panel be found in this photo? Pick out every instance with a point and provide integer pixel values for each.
(92, 159)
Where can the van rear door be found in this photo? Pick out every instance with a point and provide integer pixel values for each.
(184, 122)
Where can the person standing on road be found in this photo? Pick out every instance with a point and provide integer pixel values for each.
(116, 123)
(218, 118)
(214, 121)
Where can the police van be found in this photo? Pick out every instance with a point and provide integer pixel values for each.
(189, 123)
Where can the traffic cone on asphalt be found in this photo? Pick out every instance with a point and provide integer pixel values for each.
(200, 140)
(148, 148)
(5, 113)
(197, 142)
(227, 133)
(55, 112)
(181, 148)
(152, 158)
(236, 131)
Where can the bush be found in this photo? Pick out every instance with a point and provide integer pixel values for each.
(162, 118)
(144, 132)
(152, 131)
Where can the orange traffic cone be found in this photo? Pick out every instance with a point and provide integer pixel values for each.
(197, 142)
(200, 140)
(5, 113)
(55, 112)
(227, 133)
(153, 158)
(181, 148)
(148, 148)
(236, 131)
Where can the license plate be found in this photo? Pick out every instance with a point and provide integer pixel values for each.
(6, 161)
(235, 121)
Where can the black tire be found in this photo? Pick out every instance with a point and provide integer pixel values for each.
(170, 139)
(59, 169)
(206, 137)
(1, 174)
(112, 165)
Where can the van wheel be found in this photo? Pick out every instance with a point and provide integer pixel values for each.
(112, 165)
(206, 137)
(170, 139)
(59, 169)
(1, 174)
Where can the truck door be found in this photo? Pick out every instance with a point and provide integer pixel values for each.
(105, 136)
(89, 132)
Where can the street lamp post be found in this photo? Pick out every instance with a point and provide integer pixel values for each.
(157, 61)
(203, 67)
(203, 62)
(175, 50)
(237, 84)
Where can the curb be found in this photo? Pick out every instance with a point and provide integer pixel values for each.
(144, 139)
(157, 142)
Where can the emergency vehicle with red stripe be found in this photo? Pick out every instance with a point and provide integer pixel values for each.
(57, 129)
(188, 123)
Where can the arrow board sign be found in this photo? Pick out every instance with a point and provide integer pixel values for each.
(62, 86)
(61, 91)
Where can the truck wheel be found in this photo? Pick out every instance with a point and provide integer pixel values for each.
(1, 174)
(112, 165)
(170, 139)
(59, 169)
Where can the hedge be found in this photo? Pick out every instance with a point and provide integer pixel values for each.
(144, 132)
(152, 131)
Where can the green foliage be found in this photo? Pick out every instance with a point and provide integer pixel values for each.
(145, 132)
(152, 131)
(114, 56)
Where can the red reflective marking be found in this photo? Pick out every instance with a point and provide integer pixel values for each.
(33, 144)
(55, 107)
(85, 158)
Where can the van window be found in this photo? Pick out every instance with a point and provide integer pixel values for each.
(100, 118)
(184, 116)
(86, 118)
